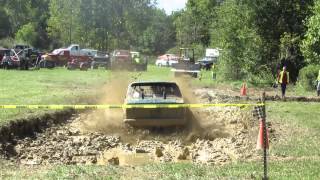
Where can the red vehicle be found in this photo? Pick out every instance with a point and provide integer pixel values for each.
(75, 64)
(13, 60)
(61, 57)
(121, 59)
(128, 60)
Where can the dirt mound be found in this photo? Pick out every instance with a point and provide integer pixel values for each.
(63, 145)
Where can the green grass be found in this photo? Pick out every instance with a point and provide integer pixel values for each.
(60, 86)
(277, 170)
(303, 137)
(57, 86)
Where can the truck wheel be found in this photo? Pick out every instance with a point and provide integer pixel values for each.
(83, 67)
(195, 75)
(5, 66)
(41, 64)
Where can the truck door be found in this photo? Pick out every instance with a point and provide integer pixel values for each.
(75, 51)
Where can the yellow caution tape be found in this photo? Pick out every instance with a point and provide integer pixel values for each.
(125, 106)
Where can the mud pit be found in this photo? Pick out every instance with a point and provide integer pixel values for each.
(216, 136)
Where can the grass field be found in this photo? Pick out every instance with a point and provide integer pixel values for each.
(60, 86)
(299, 146)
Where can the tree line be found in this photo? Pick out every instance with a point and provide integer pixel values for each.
(99, 24)
(256, 37)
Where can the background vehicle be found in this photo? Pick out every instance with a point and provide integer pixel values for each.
(11, 59)
(210, 59)
(75, 64)
(2, 52)
(186, 63)
(101, 60)
(154, 93)
(60, 57)
(166, 60)
(126, 60)
(139, 63)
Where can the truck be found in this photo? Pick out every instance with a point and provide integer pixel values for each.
(61, 57)
(127, 60)
(101, 59)
(186, 64)
(12, 59)
(154, 93)
(210, 58)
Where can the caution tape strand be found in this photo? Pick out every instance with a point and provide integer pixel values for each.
(126, 106)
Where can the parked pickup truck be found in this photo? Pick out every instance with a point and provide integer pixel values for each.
(61, 57)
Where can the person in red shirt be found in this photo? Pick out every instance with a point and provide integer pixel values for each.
(283, 79)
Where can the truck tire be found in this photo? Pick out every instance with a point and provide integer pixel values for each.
(83, 67)
(46, 64)
(5, 65)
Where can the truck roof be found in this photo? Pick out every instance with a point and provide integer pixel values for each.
(146, 83)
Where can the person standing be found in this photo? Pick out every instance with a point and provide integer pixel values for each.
(318, 86)
(168, 60)
(283, 80)
(213, 72)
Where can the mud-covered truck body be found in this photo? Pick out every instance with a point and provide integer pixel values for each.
(151, 93)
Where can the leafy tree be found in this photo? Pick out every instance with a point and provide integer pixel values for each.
(5, 25)
(27, 34)
(193, 24)
(159, 35)
(280, 23)
(241, 46)
(311, 43)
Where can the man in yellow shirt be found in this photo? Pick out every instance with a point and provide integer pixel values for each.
(283, 79)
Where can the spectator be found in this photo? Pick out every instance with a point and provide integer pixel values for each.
(283, 79)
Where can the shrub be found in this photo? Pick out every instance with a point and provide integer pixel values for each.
(27, 34)
(307, 76)
(7, 42)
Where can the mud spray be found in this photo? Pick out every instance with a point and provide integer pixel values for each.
(199, 125)
(110, 121)
(212, 136)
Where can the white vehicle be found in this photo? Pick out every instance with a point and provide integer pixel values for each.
(214, 53)
(76, 51)
(166, 60)
(163, 62)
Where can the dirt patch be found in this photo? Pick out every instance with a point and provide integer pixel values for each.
(30, 125)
